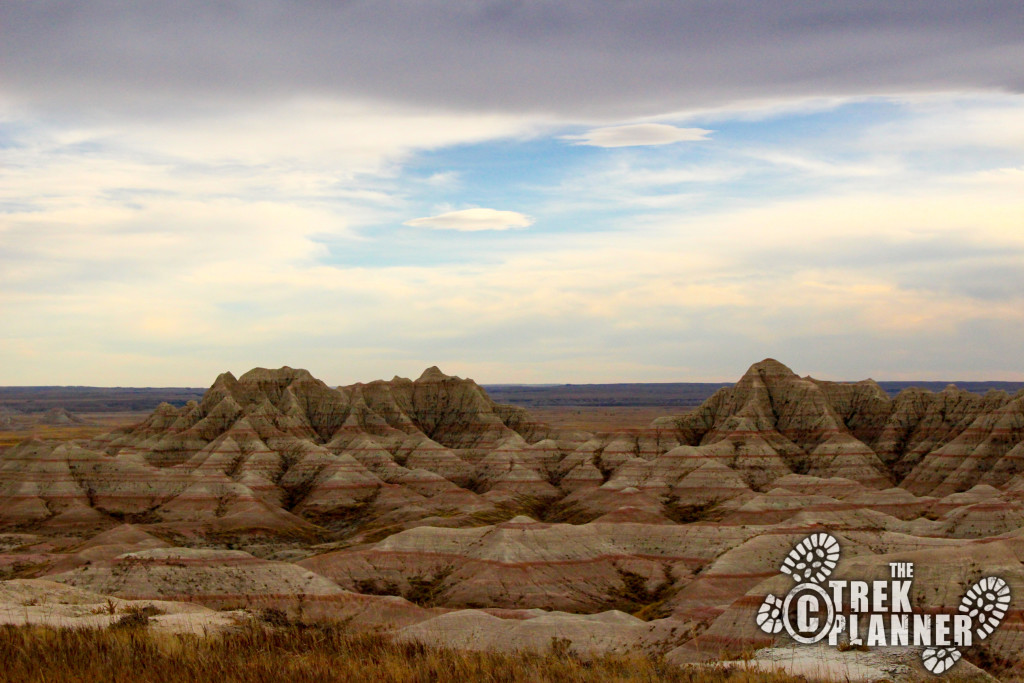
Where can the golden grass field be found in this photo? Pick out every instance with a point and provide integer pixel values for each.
(301, 654)
(94, 425)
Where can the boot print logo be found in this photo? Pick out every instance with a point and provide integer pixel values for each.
(877, 613)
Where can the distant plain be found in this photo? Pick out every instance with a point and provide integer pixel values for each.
(587, 407)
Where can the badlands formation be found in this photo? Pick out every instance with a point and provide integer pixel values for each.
(425, 508)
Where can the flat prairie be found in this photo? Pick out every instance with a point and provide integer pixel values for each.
(602, 418)
(91, 425)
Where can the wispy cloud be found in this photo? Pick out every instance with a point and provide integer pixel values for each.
(474, 220)
(638, 135)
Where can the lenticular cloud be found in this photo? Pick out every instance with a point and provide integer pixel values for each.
(639, 135)
(474, 220)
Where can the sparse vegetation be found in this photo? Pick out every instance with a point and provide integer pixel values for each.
(275, 617)
(296, 493)
(148, 516)
(636, 598)
(604, 468)
(549, 510)
(135, 617)
(799, 464)
(682, 513)
(343, 521)
(374, 587)
(425, 590)
(236, 462)
(302, 653)
(985, 657)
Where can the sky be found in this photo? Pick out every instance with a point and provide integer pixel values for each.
(526, 191)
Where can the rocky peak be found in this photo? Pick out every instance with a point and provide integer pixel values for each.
(434, 374)
(282, 376)
(226, 380)
(769, 370)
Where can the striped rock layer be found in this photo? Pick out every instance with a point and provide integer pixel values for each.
(362, 500)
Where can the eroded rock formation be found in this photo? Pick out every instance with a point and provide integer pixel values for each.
(396, 502)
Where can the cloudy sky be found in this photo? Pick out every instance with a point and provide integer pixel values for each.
(518, 191)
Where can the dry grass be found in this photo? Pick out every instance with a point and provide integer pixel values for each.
(27, 426)
(57, 433)
(298, 654)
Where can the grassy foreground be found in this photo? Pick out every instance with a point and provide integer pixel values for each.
(300, 654)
